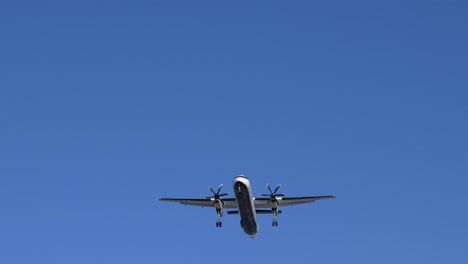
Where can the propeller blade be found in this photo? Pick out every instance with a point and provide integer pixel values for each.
(211, 189)
(268, 186)
(281, 194)
(219, 188)
(265, 194)
(216, 195)
(277, 187)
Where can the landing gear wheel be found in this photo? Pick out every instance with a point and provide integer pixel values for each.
(274, 223)
(219, 224)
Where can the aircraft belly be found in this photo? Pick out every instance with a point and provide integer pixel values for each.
(246, 208)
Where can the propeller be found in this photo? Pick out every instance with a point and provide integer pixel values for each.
(216, 195)
(273, 194)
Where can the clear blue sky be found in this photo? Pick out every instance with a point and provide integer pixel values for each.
(105, 106)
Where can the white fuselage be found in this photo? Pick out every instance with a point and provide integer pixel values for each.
(245, 205)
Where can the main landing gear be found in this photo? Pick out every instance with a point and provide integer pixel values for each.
(218, 203)
(275, 213)
(220, 214)
(274, 202)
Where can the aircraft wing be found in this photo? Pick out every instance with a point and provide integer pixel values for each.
(263, 202)
(204, 202)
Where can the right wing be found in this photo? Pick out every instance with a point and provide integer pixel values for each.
(204, 202)
(262, 202)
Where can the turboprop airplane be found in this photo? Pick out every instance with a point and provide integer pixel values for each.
(246, 204)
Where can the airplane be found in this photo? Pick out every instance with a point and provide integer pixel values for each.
(246, 204)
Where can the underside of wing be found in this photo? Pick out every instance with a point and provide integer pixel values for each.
(204, 202)
(286, 201)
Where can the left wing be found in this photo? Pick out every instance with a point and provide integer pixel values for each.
(286, 201)
(204, 202)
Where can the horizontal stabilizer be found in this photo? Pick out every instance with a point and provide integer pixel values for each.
(257, 211)
(266, 211)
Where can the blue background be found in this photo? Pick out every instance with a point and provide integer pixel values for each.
(105, 106)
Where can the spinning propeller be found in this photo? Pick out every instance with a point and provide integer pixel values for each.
(273, 194)
(216, 195)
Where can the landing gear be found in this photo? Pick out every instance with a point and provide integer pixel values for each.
(275, 213)
(217, 203)
(220, 214)
(274, 202)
